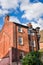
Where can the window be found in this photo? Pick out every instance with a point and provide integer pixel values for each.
(33, 34)
(19, 29)
(21, 55)
(20, 40)
(29, 31)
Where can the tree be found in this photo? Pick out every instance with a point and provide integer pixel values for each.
(32, 58)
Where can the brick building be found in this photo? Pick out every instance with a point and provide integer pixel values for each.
(41, 39)
(16, 40)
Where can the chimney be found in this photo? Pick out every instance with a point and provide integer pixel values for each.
(29, 25)
(7, 19)
(37, 29)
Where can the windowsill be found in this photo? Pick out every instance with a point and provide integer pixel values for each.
(34, 47)
(20, 32)
(21, 44)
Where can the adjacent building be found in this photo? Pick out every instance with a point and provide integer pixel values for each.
(41, 39)
(16, 40)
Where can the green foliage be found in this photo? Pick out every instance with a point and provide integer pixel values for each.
(32, 58)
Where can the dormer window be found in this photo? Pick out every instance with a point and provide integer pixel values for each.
(19, 29)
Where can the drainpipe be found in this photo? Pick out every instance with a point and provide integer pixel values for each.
(16, 44)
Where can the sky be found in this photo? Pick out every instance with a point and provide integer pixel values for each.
(22, 11)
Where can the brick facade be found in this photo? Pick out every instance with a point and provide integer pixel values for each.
(9, 39)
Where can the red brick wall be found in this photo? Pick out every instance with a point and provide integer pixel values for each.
(9, 37)
(24, 35)
(6, 38)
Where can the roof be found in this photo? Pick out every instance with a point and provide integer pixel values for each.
(20, 24)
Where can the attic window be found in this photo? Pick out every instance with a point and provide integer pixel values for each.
(19, 29)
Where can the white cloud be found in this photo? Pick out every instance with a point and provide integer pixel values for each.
(14, 19)
(35, 24)
(32, 10)
(23, 2)
(2, 12)
(38, 24)
(7, 4)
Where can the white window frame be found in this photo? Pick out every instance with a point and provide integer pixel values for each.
(22, 54)
(19, 29)
(20, 40)
(32, 34)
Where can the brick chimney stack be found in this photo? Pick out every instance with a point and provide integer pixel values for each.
(29, 25)
(7, 19)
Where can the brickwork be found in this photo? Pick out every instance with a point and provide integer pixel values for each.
(9, 39)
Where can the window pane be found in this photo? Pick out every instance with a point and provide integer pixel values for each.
(33, 34)
(29, 31)
(19, 29)
(20, 40)
(21, 55)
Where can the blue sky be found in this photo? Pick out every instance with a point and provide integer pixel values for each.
(22, 11)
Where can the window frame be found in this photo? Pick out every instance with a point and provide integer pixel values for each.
(34, 43)
(19, 29)
(20, 40)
